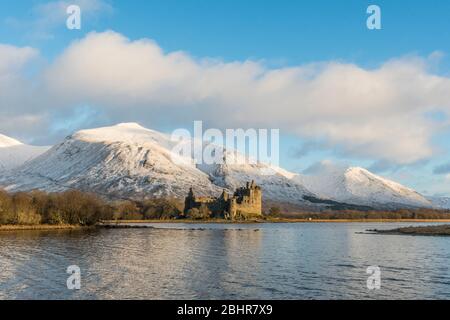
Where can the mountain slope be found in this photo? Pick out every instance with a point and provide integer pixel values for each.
(8, 142)
(121, 161)
(276, 182)
(13, 153)
(359, 186)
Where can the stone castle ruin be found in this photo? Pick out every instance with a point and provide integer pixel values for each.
(246, 202)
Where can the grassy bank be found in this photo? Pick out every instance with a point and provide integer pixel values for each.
(434, 230)
(40, 227)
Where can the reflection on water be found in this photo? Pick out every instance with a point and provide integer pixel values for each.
(217, 261)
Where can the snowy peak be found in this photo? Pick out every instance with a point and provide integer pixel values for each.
(122, 161)
(13, 153)
(124, 132)
(356, 171)
(131, 125)
(359, 186)
(357, 175)
(129, 133)
(6, 142)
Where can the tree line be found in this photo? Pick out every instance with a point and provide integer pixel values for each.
(78, 208)
(36, 207)
(85, 209)
(408, 213)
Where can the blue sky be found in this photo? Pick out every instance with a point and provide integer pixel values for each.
(277, 34)
(283, 32)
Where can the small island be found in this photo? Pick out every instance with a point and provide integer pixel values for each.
(440, 230)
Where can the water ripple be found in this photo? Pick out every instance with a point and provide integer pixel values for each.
(216, 261)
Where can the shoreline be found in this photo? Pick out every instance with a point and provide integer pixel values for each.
(43, 227)
(46, 227)
(276, 220)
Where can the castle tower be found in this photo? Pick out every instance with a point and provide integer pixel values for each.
(189, 201)
(224, 195)
(233, 208)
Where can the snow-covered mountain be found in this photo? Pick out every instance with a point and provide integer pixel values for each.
(13, 153)
(277, 183)
(360, 187)
(121, 161)
(130, 161)
(440, 202)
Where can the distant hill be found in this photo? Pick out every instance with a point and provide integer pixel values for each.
(358, 186)
(13, 153)
(440, 202)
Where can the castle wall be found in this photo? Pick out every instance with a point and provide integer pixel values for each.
(245, 203)
(249, 205)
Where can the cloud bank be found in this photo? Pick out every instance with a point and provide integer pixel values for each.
(442, 169)
(378, 114)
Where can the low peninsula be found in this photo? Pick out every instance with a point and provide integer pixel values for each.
(439, 230)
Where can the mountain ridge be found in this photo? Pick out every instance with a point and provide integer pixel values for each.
(131, 161)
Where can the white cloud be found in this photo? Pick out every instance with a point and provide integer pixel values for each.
(378, 114)
(13, 59)
(16, 90)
